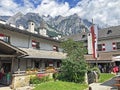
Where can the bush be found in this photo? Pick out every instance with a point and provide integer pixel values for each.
(34, 80)
(72, 71)
(97, 70)
(37, 80)
(55, 76)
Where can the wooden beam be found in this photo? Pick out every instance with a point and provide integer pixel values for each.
(7, 55)
(12, 65)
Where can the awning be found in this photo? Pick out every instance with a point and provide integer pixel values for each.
(116, 58)
(99, 61)
(7, 50)
(33, 53)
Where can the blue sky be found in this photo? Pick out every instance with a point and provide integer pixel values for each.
(72, 3)
(101, 11)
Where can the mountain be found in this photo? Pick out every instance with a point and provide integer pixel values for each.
(69, 25)
(13, 19)
(4, 18)
(64, 25)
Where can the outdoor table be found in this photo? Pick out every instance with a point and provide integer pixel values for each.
(117, 84)
(117, 80)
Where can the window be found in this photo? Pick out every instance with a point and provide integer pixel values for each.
(35, 44)
(118, 45)
(109, 31)
(5, 38)
(36, 64)
(55, 48)
(83, 36)
(99, 47)
(58, 64)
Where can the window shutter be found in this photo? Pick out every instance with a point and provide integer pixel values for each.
(103, 47)
(33, 43)
(114, 45)
(1, 36)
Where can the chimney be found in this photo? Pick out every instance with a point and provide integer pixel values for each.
(83, 30)
(31, 26)
(43, 30)
(21, 27)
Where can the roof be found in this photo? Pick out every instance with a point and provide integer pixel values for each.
(7, 49)
(103, 56)
(14, 29)
(106, 33)
(110, 32)
(78, 37)
(33, 53)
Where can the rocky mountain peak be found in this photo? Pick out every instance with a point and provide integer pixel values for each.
(64, 25)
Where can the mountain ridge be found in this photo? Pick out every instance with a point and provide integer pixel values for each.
(69, 25)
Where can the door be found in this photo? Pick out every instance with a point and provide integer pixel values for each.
(6, 67)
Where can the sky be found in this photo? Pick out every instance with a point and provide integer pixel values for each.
(103, 12)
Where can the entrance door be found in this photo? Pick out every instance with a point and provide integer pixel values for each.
(3, 76)
(6, 67)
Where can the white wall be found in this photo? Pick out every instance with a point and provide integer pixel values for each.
(17, 39)
(25, 41)
(44, 44)
(108, 44)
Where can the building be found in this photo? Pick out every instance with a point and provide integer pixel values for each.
(25, 49)
(108, 46)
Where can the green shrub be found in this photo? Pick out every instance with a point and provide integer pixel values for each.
(45, 79)
(37, 80)
(34, 80)
(97, 70)
(55, 76)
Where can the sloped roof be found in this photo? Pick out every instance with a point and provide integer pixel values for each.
(102, 34)
(14, 29)
(103, 57)
(7, 49)
(78, 37)
(33, 53)
(110, 32)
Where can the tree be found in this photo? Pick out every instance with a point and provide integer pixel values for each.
(74, 66)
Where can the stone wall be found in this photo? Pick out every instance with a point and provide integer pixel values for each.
(20, 80)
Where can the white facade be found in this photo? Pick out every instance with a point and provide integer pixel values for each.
(108, 44)
(24, 39)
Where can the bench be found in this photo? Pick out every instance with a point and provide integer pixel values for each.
(117, 85)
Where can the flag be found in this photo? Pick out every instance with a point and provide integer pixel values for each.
(94, 36)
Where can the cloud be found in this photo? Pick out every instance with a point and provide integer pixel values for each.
(102, 11)
(7, 7)
(52, 8)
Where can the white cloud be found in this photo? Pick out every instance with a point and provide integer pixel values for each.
(50, 7)
(102, 11)
(7, 7)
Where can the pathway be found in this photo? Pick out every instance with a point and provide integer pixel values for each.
(108, 85)
(21, 88)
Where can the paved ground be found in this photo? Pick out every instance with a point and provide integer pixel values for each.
(108, 85)
(22, 88)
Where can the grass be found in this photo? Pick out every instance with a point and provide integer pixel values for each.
(59, 85)
(105, 76)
